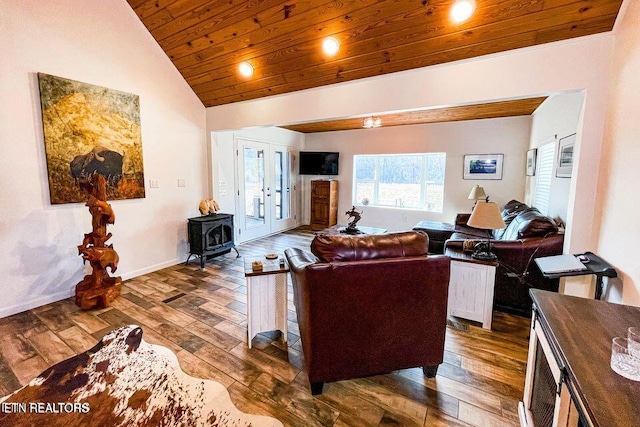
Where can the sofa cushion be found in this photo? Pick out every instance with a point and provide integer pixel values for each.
(529, 223)
(510, 210)
(332, 248)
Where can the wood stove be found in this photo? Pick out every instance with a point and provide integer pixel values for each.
(210, 236)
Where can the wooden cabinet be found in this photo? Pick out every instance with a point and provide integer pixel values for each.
(324, 204)
(569, 380)
(471, 287)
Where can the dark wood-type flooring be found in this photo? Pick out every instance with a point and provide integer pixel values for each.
(201, 316)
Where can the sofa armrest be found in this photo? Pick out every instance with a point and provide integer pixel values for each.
(299, 259)
(459, 243)
(516, 256)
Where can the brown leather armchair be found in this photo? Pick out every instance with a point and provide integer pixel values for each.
(528, 235)
(368, 305)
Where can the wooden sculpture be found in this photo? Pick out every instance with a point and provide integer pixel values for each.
(98, 289)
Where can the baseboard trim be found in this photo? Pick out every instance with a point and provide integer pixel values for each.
(268, 235)
(150, 269)
(48, 299)
(38, 302)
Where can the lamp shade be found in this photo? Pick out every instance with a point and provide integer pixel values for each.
(477, 193)
(486, 216)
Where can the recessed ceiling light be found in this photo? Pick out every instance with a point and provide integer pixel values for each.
(245, 69)
(330, 46)
(462, 10)
(371, 122)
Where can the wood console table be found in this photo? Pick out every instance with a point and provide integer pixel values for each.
(578, 333)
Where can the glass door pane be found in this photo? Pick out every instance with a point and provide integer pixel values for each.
(282, 185)
(254, 186)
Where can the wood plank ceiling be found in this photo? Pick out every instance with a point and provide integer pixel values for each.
(488, 110)
(208, 39)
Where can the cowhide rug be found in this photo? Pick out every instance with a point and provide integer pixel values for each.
(123, 381)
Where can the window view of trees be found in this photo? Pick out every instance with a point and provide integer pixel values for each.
(413, 181)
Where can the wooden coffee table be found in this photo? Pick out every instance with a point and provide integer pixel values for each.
(338, 230)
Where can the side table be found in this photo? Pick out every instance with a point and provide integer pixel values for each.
(438, 233)
(266, 297)
(471, 287)
(595, 265)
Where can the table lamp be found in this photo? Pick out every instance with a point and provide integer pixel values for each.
(477, 193)
(486, 216)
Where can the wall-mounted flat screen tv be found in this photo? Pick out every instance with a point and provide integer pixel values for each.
(318, 163)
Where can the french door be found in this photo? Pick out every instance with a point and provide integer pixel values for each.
(264, 198)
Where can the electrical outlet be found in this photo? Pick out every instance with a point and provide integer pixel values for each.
(222, 192)
(153, 183)
(182, 182)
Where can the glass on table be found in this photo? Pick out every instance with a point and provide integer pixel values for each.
(622, 362)
(633, 335)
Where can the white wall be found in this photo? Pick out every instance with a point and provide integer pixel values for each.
(616, 198)
(557, 117)
(509, 136)
(582, 63)
(102, 43)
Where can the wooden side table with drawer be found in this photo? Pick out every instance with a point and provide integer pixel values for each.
(266, 297)
(471, 287)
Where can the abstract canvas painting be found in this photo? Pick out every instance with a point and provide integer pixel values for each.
(90, 130)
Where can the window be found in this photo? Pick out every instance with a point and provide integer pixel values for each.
(412, 181)
(544, 174)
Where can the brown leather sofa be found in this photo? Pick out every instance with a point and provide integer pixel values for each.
(528, 235)
(369, 304)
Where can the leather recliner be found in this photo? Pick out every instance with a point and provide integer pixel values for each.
(369, 305)
(528, 235)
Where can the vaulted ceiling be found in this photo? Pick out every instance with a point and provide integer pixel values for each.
(208, 39)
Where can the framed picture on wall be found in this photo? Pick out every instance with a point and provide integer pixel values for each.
(89, 130)
(482, 166)
(565, 156)
(531, 161)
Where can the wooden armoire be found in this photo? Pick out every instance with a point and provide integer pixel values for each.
(324, 203)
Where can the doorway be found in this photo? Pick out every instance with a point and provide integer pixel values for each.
(264, 202)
